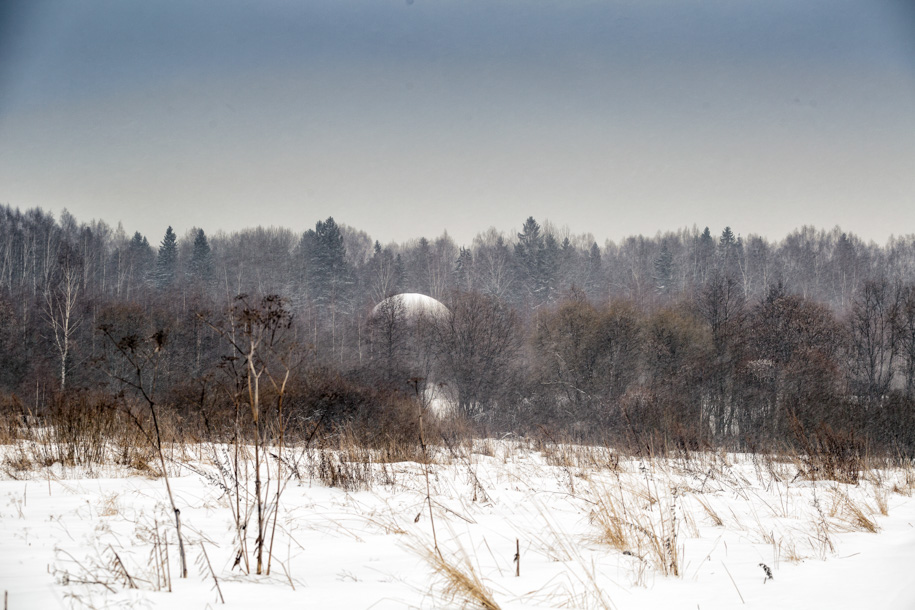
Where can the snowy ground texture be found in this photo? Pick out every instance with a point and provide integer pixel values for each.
(595, 531)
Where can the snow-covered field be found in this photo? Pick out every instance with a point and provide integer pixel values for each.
(704, 531)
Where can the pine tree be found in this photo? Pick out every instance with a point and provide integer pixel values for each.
(419, 264)
(399, 273)
(201, 264)
(328, 274)
(704, 253)
(664, 271)
(138, 244)
(728, 246)
(167, 260)
(529, 259)
(463, 270)
(569, 272)
(306, 250)
(593, 281)
(140, 253)
(548, 269)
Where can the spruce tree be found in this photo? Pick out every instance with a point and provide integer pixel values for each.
(548, 268)
(138, 244)
(167, 260)
(664, 271)
(201, 265)
(529, 255)
(593, 281)
(463, 270)
(727, 249)
(420, 258)
(399, 273)
(140, 253)
(328, 274)
(704, 255)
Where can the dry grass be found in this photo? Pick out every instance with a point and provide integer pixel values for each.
(906, 483)
(458, 579)
(612, 520)
(591, 593)
(646, 531)
(856, 516)
(881, 497)
(716, 520)
(638, 506)
(791, 553)
(580, 457)
(829, 455)
(109, 506)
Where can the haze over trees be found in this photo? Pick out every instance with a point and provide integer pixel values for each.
(696, 337)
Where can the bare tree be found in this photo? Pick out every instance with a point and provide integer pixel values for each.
(875, 336)
(60, 299)
(587, 355)
(257, 334)
(493, 263)
(906, 324)
(389, 344)
(383, 277)
(720, 303)
(143, 356)
(477, 342)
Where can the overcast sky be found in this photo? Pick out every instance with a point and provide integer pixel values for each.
(408, 117)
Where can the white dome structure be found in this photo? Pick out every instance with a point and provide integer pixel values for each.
(400, 334)
(411, 305)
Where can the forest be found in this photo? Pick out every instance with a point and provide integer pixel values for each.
(691, 339)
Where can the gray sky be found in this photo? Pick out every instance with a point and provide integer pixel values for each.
(405, 118)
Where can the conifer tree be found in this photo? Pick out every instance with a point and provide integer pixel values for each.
(138, 244)
(330, 274)
(593, 281)
(141, 257)
(419, 264)
(729, 251)
(548, 268)
(167, 260)
(529, 258)
(704, 253)
(201, 265)
(664, 271)
(463, 270)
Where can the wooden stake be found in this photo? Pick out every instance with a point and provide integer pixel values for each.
(517, 558)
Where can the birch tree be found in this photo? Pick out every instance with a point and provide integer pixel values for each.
(60, 309)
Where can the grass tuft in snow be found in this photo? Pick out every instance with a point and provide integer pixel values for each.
(459, 580)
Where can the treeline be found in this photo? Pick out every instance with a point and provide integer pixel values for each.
(688, 338)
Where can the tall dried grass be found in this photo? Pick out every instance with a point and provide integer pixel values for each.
(458, 579)
(647, 531)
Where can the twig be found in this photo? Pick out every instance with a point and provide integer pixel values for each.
(168, 565)
(130, 581)
(212, 573)
(157, 557)
(422, 443)
(491, 554)
(733, 583)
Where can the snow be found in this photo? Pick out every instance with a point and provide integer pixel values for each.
(370, 547)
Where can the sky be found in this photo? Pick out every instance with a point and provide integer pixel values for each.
(406, 118)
